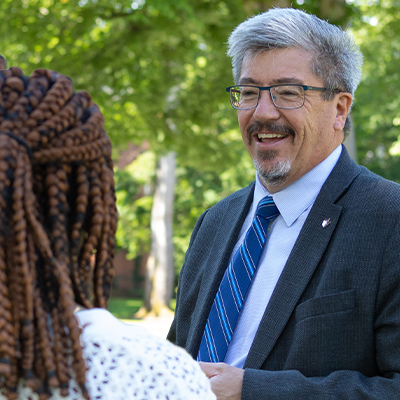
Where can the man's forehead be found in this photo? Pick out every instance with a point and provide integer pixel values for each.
(278, 53)
(281, 65)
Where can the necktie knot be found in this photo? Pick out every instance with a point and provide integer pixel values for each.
(267, 209)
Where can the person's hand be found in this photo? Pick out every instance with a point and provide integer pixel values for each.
(226, 381)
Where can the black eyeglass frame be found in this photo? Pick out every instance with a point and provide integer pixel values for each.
(261, 88)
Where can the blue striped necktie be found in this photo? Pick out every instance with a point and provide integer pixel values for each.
(233, 288)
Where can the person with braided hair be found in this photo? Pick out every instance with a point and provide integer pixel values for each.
(58, 220)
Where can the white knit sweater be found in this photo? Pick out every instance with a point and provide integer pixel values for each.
(125, 362)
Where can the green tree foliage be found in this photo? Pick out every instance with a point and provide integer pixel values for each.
(134, 200)
(377, 107)
(158, 70)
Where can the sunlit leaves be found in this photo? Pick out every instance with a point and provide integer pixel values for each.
(378, 98)
(134, 200)
(158, 70)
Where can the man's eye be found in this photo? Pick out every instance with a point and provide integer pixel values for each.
(248, 93)
(288, 93)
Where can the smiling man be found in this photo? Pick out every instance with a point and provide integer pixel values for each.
(291, 286)
(287, 143)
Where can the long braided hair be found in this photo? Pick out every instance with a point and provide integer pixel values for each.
(57, 225)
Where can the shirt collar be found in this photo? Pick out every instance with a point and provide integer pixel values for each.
(305, 190)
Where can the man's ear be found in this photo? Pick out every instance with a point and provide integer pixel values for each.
(343, 104)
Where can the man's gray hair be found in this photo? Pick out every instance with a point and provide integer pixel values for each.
(336, 60)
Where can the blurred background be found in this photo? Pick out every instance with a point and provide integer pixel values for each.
(158, 70)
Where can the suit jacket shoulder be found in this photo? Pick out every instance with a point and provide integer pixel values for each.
(349, 181)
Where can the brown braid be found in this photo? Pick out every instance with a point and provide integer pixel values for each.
(57, 218)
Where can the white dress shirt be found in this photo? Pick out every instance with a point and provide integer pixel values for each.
(294, 204)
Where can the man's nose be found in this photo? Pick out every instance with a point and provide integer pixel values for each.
(266, 109)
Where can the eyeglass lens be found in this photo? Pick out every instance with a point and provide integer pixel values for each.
(246, 97)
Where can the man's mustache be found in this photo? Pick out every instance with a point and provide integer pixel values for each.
(271, 127)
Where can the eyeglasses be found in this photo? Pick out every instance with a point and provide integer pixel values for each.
(287, 97)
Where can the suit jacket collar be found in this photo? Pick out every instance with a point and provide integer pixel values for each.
(304, 258)
(231, 218)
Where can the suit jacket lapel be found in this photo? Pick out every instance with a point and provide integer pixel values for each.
(303, 260)
(217, 261)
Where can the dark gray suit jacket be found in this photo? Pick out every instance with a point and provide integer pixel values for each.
(332, 327)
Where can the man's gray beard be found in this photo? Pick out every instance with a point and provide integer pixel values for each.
(275, 175)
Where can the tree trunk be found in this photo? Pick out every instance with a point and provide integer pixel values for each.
(160, 265)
